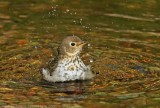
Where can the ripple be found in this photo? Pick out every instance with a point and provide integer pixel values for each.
(128, 17)
(131, 31)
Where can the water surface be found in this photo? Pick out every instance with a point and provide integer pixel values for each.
(124, 45)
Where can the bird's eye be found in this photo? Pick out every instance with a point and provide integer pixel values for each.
(72, 44)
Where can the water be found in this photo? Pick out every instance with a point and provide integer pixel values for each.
(123, 49)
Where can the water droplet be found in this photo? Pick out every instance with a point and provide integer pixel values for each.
(91, 60)
(67, 10)
(74, 21)
(35, 47)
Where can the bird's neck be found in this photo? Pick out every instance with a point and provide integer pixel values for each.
(69, 57)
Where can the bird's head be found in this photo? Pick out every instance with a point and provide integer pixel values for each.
(71, 46)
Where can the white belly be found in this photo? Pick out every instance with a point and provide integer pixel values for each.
(68, 71)
(72, 71)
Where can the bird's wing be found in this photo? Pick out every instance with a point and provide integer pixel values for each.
(53, 62)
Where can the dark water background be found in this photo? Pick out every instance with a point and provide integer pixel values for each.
(124, 45)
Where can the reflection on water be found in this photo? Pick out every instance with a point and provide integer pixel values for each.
(70, 91)
(124, 51)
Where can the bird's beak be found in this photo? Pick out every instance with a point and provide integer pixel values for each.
(82, 44)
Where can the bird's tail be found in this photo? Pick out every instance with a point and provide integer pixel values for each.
(47, 76)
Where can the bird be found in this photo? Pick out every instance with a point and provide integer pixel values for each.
(67, 65)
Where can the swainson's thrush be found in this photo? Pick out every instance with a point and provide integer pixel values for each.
(67, 65)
